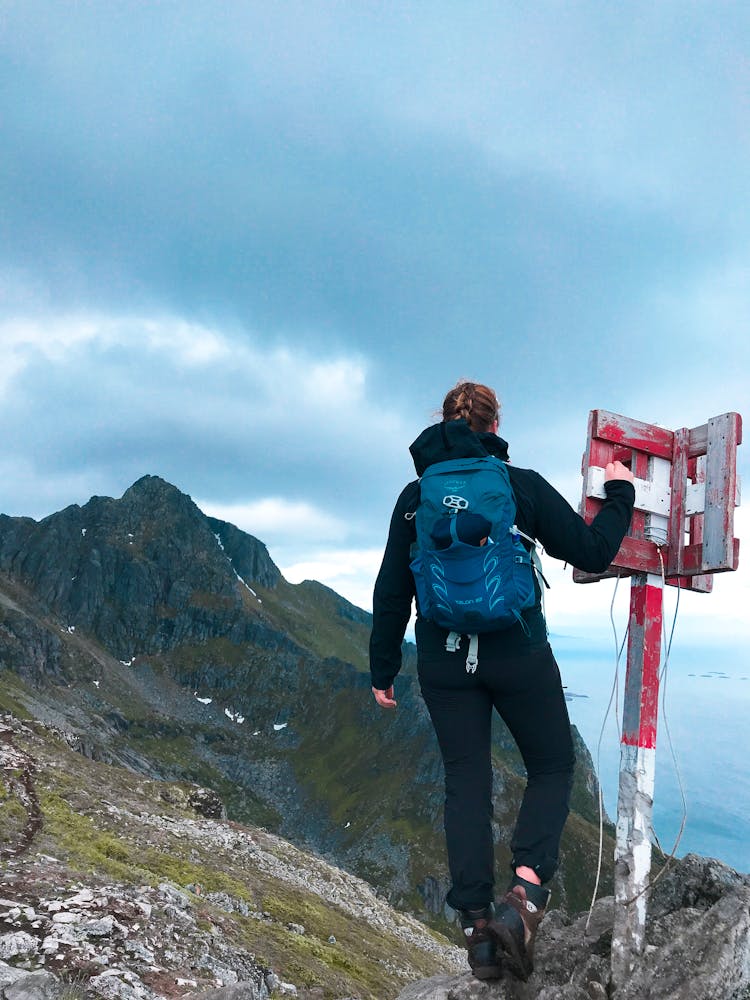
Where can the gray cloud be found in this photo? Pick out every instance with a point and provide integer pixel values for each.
(231, 423)
(249, 167)
(486, 192)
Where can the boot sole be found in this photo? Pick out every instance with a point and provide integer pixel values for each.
(515, 958)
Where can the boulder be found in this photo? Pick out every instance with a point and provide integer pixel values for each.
(698, 948)
(207, 803)
(9, 975)
(36, 986)
(17, 943)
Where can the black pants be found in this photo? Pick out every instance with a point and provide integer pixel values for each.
(519, 678)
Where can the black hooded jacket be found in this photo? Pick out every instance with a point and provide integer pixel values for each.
(542, 513)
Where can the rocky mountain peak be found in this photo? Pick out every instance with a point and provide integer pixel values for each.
(142, 573)
(154, 493)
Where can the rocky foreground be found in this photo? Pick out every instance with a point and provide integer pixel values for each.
(698, 947)
(114, 886)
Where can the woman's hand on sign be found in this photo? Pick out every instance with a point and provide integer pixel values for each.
(616, 470)
(385, 698)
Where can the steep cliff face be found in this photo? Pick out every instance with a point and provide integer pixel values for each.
(169, 642)
(248, 556)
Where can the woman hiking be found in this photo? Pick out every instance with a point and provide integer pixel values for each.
(511, 670)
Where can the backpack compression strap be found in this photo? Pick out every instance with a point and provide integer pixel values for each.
(453, 642)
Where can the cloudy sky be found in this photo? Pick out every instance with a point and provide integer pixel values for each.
(249, 246)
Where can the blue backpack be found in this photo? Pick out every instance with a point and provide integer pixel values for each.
(472, 572)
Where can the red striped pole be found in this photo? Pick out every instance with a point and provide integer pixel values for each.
(637, 769)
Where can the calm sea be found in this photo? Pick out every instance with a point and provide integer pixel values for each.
(708, 716)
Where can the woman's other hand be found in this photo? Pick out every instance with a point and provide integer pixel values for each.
(616, 470)
(385, 698)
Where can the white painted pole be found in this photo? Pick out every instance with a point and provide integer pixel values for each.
(638, 750)
(637, 769)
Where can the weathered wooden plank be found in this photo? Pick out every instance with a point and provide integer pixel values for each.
(677, 509)
(638, 555)
(581, 576)
(701, 583)
(721, 482)
(694, 495)
(585, 457)
(650, 497)
(631, 433)
(698, 441)
(598, 454)
(693, 560)
(698, 444)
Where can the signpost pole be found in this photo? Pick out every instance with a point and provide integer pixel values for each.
(637, 768)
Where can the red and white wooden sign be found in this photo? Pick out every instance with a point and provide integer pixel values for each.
(682, 531)
(697, 496)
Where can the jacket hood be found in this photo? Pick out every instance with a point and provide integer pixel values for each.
(454, 439)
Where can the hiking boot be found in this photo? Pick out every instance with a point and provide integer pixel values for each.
(481, 943)
(515, 924)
